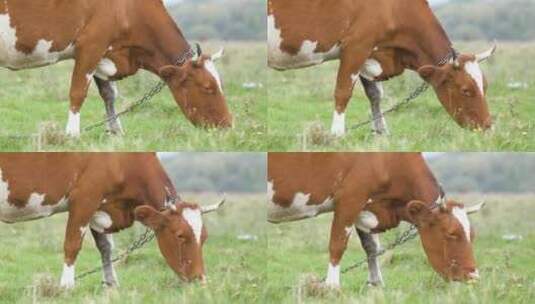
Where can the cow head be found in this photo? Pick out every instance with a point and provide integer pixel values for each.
(461, 86)
(181, 234)
(197, 89)
(447, 237)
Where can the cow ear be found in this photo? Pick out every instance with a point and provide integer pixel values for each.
(419, 213)
(150, 217)
(432, 74)
(170, 72)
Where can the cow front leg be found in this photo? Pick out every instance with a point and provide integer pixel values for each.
(82, 206)
(88, 54)
(374, 92)
(351, 60)
(371, 245)
(345, 215)
(104, 244)
(108, 92)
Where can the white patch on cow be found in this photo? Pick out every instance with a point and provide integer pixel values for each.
(105, 69)
(371, 69)
(367, 221)
(4, 190)
(270, 191)
(349, 230)
(333, 276)
(83, 230)
(338, 127)
(33, 209)
(104, 201)
(298, 209)
(73, 124)
(67, 277)
(473, 69)
(194, 219)
(306, 56)
(210, 67)
(462, 217)
(41, 55)
(354, 78)
(100, 221)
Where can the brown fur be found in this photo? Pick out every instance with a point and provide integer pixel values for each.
(118, 30)
(400, 186)
(108, 182)
(400, 34)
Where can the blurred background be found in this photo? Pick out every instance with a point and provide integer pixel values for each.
(220, 19)
(487, 19)
(484, 172)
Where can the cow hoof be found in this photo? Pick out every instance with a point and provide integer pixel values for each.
(66, 285)
(110, 285)
(115, 132)
(380, 132)
(374, 284)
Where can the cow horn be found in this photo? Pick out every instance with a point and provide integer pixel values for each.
(199, 51)
(485, 55)
(218, 55)
(475, 208)
(456, 63)
(441, 202)
(214, 207)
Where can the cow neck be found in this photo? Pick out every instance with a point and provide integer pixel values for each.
(167, 44)
(426, 42)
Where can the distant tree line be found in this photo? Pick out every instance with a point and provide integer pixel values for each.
(216, 172)
(485, 172)
(221, 19)
(488, 19)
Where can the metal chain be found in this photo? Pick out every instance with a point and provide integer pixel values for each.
(412, 96)
(148, 96)
(147, 236)
(404, 237)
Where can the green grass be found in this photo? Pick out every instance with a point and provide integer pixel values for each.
(297, 250)
(235, 268)
(35, 102)
(301, 104)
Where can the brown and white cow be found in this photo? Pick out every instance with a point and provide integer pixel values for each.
(372, 192)
(104, 192)
(110, 40)
(374, 41)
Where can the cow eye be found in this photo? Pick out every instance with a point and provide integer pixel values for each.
(466, 92)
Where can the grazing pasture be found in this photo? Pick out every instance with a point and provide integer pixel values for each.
(34, 106)
(31, 259)
(298, 253)
(301, 106)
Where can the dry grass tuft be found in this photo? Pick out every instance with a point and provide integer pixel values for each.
(49, 133)
(45, 286)
(317, 135)
(310, 285)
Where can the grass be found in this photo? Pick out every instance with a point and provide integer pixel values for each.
(299, 250)
(34, 106)
(31, 261)
(301, 104)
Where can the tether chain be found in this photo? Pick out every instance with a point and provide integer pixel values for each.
(404, 237)
(417, 92)
(148, 96)
(147, 236)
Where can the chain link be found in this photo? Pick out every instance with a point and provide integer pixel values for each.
(147, 236)
(148, 96)
(412, 96)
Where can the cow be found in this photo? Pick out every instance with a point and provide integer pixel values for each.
(105, 193)
(375, 41)
(111, 40)
(373, 192)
